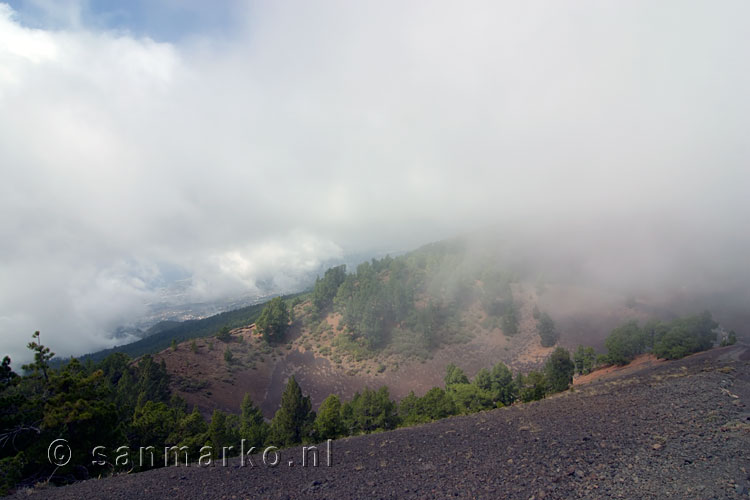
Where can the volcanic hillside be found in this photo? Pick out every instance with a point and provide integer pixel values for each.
(676, 429)
(442, 304)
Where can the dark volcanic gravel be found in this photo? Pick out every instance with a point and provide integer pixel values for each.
(675, 430)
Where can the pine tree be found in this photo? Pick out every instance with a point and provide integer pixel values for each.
(224, 334)
(584, 359)
(292, 421)
(503, 389)
(6, 372)
(222, 432)
(546, 329)
(532, 387)
(454, 375)
(559, 370)
(253, 427)
(42, 355)
(274, 320)
(328, 423)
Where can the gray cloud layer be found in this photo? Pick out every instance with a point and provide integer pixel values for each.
(344, 126)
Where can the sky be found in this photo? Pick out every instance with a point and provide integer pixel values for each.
(228, 143)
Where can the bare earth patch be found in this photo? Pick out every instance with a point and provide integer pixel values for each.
(640, 362)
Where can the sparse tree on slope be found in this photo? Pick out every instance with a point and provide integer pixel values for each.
(274, 320)
(223, 432)
(559, 370)
(253, 427)
(293, 420)
(454, 375)
(532, 387)
(547, 332)
(328, 423)
(584, 359)
(625, 343)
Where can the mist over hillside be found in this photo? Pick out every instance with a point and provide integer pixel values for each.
(607, 142)
(287, 222)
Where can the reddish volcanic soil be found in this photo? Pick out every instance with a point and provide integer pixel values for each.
(678, 429)
(322, 367)
(640, 362)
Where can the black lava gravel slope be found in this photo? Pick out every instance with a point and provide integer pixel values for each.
(676, 430)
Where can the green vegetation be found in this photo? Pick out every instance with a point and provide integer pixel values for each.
(625, 343)
(409, 305)
(7, 375)
(328, 424)
(326, 289)
(223, 432)
(510, 320)
(253, 427)
(454, 375)
(469, 398)
(669, 340)
(730, 339)
(531, 387)
(434, 405)
(224, 334)
(558, 370)
(274, 320)
(499, 383)
(166, 331)
(584, 360)
(413, 304)
(107, 405)
(293, 421)
(369, 411)
(117, 402)
(497, 301)
(546, 328)
(685, 336)
(372, 306)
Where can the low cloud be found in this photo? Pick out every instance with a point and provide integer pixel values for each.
(317, 130)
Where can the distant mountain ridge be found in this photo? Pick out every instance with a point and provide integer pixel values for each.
(161, 335)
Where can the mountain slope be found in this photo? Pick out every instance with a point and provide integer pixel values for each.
(323, 364)
(393, 321)
(678, 429)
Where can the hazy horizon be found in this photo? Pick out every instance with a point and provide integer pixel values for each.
(252, 142)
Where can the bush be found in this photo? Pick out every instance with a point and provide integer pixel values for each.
(454, 375)
(434, 405)
(686, 336)
(625, 343)
(584, 359)
(499, 383)
(370, 411)
(546, 328)
(532, 387)
(730, 339)
(558, 370)
(224, 334)
(469, 398)
(11, 469)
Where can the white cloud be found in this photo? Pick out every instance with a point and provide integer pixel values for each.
(345, 126)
